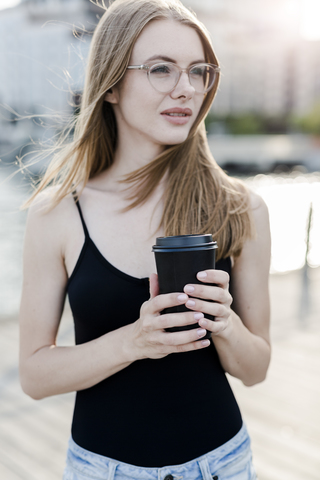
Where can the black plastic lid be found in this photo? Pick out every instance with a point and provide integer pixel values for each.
(184, 243)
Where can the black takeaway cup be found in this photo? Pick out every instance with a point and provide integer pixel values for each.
(178, 259)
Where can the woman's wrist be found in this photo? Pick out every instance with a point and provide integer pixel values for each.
(129, 350)
(242, 354)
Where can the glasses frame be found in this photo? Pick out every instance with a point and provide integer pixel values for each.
(147, 68)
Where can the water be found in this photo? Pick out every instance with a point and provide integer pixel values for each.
(12, 224)
(288, 199)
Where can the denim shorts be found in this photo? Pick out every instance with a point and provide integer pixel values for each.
(230, 461)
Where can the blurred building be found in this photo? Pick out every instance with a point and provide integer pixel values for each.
(267, 67)
(306, 60)
(43, 50)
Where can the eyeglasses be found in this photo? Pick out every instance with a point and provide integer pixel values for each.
(164, 77)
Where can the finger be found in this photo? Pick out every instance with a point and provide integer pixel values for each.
(186, 347)
(208, 308)
(169, 320)
(182, 337)
(216, 327)
(160, 302)
(192, 346)
(218, 277)
(153, 285)
(216, 294)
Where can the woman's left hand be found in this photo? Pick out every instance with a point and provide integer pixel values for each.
(241, 334)
(219, 298)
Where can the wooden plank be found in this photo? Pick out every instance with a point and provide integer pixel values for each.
(283, 414)
(6, 470)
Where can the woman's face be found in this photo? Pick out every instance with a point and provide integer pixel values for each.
(143, 113)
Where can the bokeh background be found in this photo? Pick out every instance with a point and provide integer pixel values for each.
(264, 127)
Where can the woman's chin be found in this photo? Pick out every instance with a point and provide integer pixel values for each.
(177, 139)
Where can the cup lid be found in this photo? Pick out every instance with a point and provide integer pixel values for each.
(182, 242)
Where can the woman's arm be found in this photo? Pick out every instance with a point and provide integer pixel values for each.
(241, 333)
(47, 369)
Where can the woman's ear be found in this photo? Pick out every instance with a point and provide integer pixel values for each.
(111, 95)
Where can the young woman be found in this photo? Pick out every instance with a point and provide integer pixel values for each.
(150, 404)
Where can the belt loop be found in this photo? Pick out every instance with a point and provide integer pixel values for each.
(204, 467)
(112, 468)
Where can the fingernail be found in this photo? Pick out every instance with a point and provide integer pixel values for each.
(202, 275)
(203, 322)
(205, 343)
(198, 316)
(190, 303)
(182, 297)
(201, 332)
(189, 289)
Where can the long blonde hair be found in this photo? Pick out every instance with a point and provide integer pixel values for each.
(199, 196)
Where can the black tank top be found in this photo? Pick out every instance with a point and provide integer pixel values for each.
(154, 412)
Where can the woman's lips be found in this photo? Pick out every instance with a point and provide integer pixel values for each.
(177, 116)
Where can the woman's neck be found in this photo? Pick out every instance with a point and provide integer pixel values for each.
(127, 159)
(132, 154)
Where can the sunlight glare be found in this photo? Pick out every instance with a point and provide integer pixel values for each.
(8, 3)
(309, 27)
(289, 201)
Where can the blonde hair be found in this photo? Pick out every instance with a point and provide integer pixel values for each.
(199, 196)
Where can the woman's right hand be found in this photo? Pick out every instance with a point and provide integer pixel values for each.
(148, 338)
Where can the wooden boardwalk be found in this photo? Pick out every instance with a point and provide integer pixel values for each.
(282, 414)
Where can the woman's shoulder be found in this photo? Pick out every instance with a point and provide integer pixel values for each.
(258, 208)
(44, 207)
(257, 211)
(51, 222)
(255, 202)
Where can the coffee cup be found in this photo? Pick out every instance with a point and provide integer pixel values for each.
(178, 259)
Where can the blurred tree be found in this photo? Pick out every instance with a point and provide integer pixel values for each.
(309, 123)
(247, 124)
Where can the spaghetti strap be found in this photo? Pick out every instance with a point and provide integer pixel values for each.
(76, 201)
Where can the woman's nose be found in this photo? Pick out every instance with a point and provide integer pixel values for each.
(183, 87)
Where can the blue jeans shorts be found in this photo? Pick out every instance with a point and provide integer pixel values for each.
(230, 461)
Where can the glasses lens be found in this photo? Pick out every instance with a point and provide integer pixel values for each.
(202, 77)
(163, 76)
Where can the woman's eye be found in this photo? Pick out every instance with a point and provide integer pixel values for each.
(197, 71)
(162, 69)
